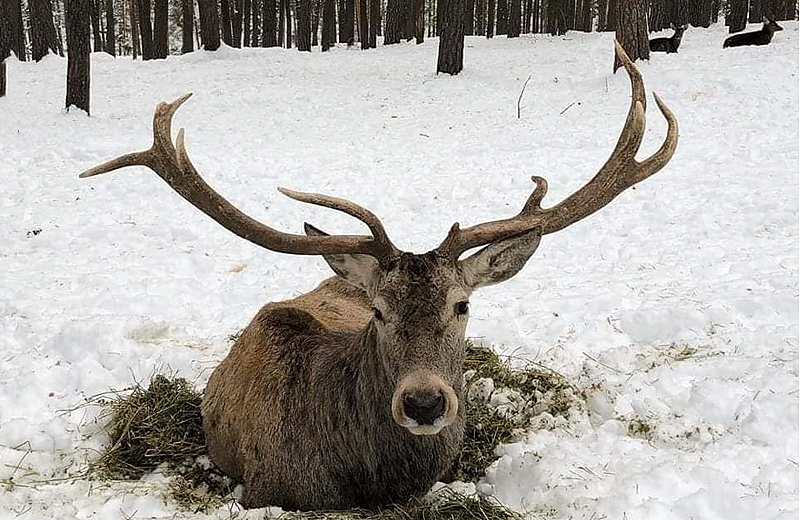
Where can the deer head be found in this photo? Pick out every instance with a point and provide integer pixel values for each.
(420, 301)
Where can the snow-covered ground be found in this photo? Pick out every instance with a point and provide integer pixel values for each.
(675, 308)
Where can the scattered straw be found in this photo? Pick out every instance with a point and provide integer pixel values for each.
(449, 505)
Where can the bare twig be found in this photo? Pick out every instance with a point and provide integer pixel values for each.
(569, 106)
(519, 100)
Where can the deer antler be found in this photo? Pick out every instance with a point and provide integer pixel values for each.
(620, 172)
(172, 164)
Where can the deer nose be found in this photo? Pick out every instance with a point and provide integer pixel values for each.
(424, 408)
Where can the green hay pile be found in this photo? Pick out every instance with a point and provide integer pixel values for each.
(487, 428)
(151, 426)
(161, 425)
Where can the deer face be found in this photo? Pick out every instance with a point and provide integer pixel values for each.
(770, 25)
(420, 311)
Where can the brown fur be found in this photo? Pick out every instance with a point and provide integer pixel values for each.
(300, 409)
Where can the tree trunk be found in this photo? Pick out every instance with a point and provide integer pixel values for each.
(419, 20)
(43, 32)
(374, 21)
(513, 18)
(225, 22)
(78, 53)
(135, 42)
(394, 16)
(490, 19)
(315, 16)
(469, 17)
(451, 42)
(281, 23)
(255, 35)
(736, 19)
(502, 17)
(303, 12)
(328, 24)
(602, 15)
(111, 23)
(145, 29)
(288, 5)
(246, 16)
(480, 16)
(526, 23)
(58, 24)
(95, 18)
(363, 24)
(160, 29)
(5, 45)
(209, 24)
(611, 17)
(756, 11)
(631, 30)
(236, 22)
(268, 21)
(16, 38)
(187, 26)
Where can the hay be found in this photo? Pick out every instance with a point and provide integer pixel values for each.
(161, 425)
(448, 505)
(152, 426)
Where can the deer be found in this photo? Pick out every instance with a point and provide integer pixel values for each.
(352, 395)
(760, 37)
(671, 44)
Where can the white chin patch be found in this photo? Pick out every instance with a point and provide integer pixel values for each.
(424, 429)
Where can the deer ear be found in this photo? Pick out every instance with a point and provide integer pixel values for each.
(358, 270)
(500, 260)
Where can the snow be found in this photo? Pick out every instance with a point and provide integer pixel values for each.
(675, 307)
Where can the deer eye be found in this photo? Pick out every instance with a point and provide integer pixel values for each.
(462, 308)
(378, 314)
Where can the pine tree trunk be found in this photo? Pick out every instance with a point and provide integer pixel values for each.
(631, 30)
(16, 30)
(281, 23)
(602, 15)
(537, 17)
(236, 22)
(160, 29)
(111, 23)
(451, 42)
(246, 15)
(288, 5)
(5, 46)
(526, 25)
(736, 20)
(490, 19)
(363, 24)
(145, 29)
(303, 12)
(480, 16)
(419, 20)
(268, 21)
(374, 21)
(187, 26)
(469, 17)
(513, 18)
(756, 11)
(43, 32)
(225, 22)
(95, 18)
(394, 12)
(315, 16)
(349, 22)
(611, 17)
(502, 17)
(58, 20)
(135, 41)
(78, 53)
(209, 24)
(255, 35)
(328, 24)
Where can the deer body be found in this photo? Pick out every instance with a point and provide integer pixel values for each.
(760, 37)
(668, 45)
(352, 395)
(311, 393)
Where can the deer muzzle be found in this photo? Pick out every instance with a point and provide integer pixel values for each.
(423, 403)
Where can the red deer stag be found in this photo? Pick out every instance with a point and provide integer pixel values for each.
(351, 395)
(760, 37)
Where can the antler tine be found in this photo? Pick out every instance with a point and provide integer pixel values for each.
(172, 164)
(345, 206)
(619, 172)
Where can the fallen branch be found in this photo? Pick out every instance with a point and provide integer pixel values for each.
(519, 101)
